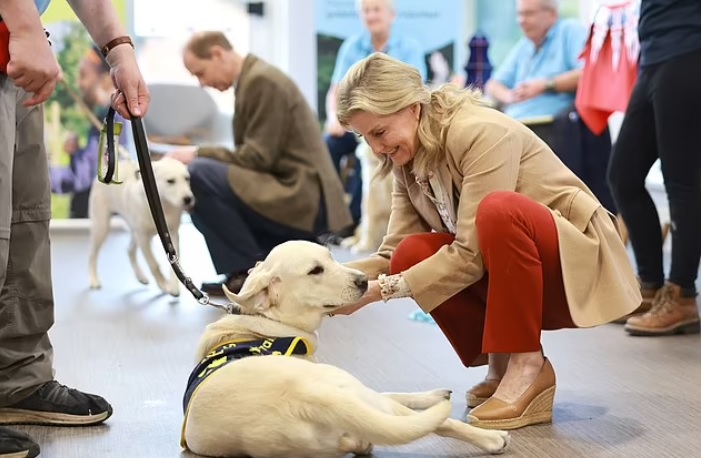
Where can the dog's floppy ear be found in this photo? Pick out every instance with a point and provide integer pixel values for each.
(258, 293)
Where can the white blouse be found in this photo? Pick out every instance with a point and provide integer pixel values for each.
(394, 286)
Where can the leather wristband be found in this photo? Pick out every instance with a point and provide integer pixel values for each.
(110, 45)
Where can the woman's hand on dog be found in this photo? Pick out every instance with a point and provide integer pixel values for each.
(370, 296)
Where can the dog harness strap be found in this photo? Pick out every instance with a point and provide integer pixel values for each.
(154, 202)
(228, 352)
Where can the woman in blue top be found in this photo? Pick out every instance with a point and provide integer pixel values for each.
(378, 36)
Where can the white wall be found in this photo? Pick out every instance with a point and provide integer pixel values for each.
(285, 37)
(162, 39)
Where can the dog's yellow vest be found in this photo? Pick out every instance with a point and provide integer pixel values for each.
(223, 354)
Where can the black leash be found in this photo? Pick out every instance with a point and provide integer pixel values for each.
(142, 152)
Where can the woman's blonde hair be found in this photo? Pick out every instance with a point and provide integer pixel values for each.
(382, 85)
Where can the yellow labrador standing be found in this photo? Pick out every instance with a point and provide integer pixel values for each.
(129, 201)
(376, 204)
(256, 390)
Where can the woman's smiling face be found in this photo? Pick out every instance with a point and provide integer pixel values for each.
(394, 136)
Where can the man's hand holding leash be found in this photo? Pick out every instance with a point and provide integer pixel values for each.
(132, 96)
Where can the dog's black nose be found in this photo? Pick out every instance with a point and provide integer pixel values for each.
(187, 200)
(361, 281)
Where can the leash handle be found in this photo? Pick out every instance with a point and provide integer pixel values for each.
(107, 161)
(154, 202)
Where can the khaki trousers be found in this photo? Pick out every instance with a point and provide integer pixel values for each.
(26, 296)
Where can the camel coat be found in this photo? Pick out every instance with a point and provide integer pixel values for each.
(281, 167)
(487, 151)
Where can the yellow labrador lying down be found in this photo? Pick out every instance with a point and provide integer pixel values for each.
(257, 391)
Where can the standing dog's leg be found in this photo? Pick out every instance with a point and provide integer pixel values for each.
(145, 245)
(133, 245)
(364, 242)
(99, 228)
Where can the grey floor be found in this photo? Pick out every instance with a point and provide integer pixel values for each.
(617, 396)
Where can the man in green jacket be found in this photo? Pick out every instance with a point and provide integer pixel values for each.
(278, 184)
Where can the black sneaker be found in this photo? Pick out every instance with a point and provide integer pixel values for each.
(335, 238)
(57, 405)
(233, 282)
(16, 445)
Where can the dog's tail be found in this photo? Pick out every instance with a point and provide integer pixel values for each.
(339, 408)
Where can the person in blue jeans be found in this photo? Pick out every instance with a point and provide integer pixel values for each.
(29, 394)
(662, 122)
(378, 36)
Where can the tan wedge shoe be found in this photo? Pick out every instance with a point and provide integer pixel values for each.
(533, 407)
(479, 393)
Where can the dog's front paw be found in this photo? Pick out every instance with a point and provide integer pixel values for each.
(443, 394)
(365, 449)
(355, 446)
(431, 398)
(363, 246)
(349, 242)
(174, 290)
(164, 286)
(496, 442)
(425, 399)
(94, 282)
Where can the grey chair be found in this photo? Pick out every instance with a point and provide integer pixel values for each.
(184, 114)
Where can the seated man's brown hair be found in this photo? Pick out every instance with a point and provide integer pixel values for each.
(201, 43)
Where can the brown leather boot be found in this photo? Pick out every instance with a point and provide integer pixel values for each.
(645, 306)
(670, 314)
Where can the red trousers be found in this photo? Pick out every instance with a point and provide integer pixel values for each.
(522, 291)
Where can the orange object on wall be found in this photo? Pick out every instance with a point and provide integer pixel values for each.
(610, 64)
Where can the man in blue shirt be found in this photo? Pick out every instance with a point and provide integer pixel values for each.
(539, 76)
(537, 84)
(378, 16)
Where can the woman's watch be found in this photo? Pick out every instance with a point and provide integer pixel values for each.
(550, 86)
